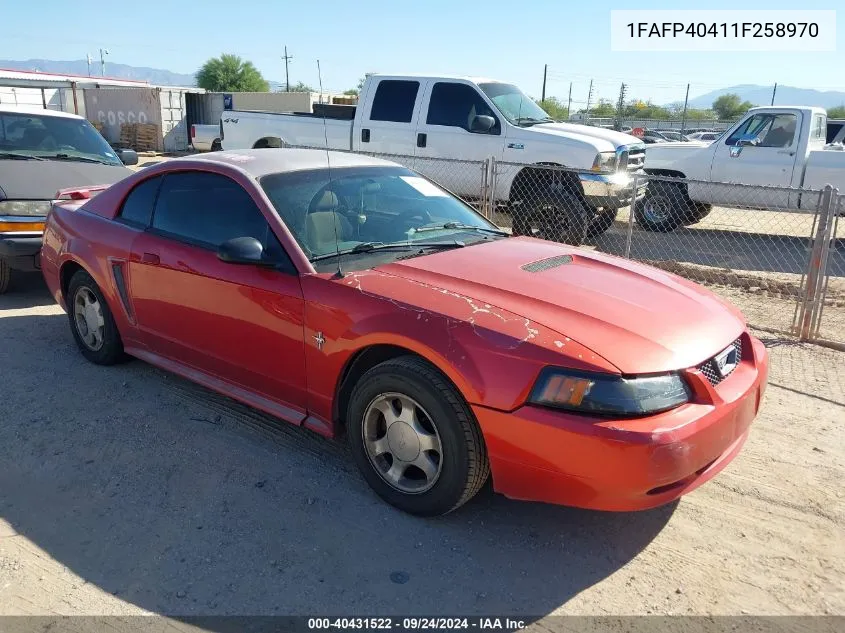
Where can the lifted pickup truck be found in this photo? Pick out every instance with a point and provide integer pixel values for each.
(422, 120)
(781, 146)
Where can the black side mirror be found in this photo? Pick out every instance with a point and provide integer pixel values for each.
(482, 123)
(127, 156)
(242, 250)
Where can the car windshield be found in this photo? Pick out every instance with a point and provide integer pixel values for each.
(371, 213)
(515, 105)
(24, 135)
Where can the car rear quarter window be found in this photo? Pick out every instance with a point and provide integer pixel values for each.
(207, 209)
(137, 208)
(394, 101)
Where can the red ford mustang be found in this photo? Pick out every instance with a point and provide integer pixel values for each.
(349, 295)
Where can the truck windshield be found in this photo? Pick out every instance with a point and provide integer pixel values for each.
(515, 105)
(24, 135)
(360, 211)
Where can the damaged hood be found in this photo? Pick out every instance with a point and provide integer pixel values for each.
(638, 318)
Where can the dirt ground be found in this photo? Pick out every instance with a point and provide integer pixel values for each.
(126, 490)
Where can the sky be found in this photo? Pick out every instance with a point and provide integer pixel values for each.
(507, 40)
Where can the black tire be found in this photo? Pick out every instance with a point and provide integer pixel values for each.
(111, 350)
(556, 214)
(463, 465)
(601, 222)
(5, 276)
(697, 212)
(664, 207)
(216, 146)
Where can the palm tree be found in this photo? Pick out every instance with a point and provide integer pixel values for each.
(229, 73)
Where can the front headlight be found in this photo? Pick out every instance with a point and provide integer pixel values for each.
(605, 162)
(25, 207)
(608, 395)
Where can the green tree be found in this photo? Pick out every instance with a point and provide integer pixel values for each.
(729, 106)
(604, 108)
(836, 113)
(357, 89)
(229, 73)
(555, 108)
(302, 87)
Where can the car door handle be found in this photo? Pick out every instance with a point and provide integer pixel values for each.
(365, 135)
(421, 140)
(150, 258)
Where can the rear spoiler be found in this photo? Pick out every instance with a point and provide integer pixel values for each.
(79, 193)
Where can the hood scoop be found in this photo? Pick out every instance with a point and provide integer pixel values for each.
(547, 264)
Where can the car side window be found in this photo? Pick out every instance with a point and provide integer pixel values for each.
(207, 209)
(456, 105)
(137, 209)
(394, 101)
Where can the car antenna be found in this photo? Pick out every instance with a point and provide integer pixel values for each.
(339, 274)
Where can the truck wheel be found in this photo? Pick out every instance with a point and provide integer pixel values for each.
(664, 207)
(602, 221)
(216, 146)
(5, 276)
(414, 439)
(558, 216)
(697, 212)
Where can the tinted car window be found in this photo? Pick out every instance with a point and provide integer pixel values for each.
(209, 209)
(137, 209)
(394, 101)
(456, 105)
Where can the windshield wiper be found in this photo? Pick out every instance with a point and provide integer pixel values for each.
(81, 159)
(459, 225)
(368, 247)
(17, 156)
(533, 121)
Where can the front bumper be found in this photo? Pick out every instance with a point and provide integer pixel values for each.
(21, 250)
(612, 190)
(540, 454)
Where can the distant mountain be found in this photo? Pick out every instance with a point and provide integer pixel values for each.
(785, 95)
(156, 76)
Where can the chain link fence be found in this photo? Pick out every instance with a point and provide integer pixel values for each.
(774, 252)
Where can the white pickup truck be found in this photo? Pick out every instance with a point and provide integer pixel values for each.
(777, 146)
(422, 120)
(205, 137)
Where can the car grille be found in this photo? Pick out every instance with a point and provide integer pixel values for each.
(636, 159)
(711, 371)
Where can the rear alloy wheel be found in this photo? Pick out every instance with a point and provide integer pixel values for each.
(5, 276)
(91, 321)
(414, 439)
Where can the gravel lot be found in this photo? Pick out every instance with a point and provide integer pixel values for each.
(127, 490)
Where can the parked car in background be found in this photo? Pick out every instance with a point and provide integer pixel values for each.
(424, 121)
(777, 146)
(672, 135)
(350, 295)
(704, 136)
(653, 136)
(42, 152)
(206, 138)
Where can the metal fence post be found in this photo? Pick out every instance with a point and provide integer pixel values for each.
(630, 232)
(816, 265)
(491, 188)
(482, 195)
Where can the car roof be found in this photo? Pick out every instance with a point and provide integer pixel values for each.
(260, 162)
(27, 109)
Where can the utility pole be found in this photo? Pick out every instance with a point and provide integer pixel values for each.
(545, 70)
(684, 116)
(90, 59)
(287, 58)
(620, 105)
(569, 103)
(774, 90)
(103, 53)
(589, 98)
